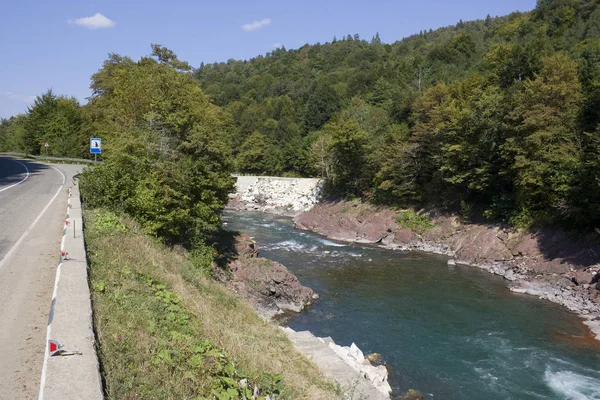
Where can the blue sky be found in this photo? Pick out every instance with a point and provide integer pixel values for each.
(60, 44)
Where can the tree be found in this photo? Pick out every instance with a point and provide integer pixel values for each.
(55, 120)
(166, 160)
(164, 55)
(376, 40)
(545, 150)
(251, 157)
(321, 106)
(513, 63)
(4, 133)
(320, 155)
(347, 147)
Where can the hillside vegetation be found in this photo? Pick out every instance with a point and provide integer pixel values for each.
(496, 117)
(165, 331)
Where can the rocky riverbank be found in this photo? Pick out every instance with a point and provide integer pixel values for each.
(266, 284)
(552, 265)
(273, 290)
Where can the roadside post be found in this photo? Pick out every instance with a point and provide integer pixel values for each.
(96, 147)
(46, 145)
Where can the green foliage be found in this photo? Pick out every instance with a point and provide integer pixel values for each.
(202, 257)
(166, 159)
(173, 328)
(493, 116)
(251, 157)
(415, 222)
(52, 119)
(489, 117)
(545, 149)
(347, 148)
(109, 223)
(164, 331)
(321, 106)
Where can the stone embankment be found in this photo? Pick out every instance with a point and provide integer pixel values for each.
(552, 265)
(347, 365)
(283, 196)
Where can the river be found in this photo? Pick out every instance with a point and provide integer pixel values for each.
(450, 332)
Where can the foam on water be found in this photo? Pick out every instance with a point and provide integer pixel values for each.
(471, 340)
(573, 386)
(291, 245)
(330, 243)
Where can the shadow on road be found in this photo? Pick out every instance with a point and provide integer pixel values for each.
(12, 170)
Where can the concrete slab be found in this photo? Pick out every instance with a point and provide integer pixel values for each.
(70, 321)
(353, 384)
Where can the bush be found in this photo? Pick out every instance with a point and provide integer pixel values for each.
(413, 221)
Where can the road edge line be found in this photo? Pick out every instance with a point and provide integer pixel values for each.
(23, 180)
(35, 221)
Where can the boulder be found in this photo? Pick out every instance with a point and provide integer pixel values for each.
(374, 358)
(235, 203)
(528, 246)
(403, 236)
(480, 244)
(580, 277)
(350, 221)
(269, 286)
(245, 246)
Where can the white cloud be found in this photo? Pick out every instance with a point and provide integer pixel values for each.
(256, 24)
(276, 45)
(94, 22)
(20, 97)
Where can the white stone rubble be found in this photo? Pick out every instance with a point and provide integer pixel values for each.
(354, 357)
(271, 194)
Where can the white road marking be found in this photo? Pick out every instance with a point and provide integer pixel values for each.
(45, 364)
(49, 328)
(24, 235)
(24, 179)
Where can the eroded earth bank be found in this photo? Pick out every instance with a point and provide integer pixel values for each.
(552, 265)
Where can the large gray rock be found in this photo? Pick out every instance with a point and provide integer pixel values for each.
(266, 284)
(269, 286)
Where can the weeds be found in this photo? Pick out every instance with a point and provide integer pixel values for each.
(413, 221)
(166, 331)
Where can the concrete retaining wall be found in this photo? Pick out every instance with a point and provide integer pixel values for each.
(276, 194)
(70, 320)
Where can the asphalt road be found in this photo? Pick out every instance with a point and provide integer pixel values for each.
(33, 201)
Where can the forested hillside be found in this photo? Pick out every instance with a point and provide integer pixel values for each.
(495, 118)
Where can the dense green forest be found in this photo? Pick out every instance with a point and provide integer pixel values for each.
(494, 118)
(166, 159)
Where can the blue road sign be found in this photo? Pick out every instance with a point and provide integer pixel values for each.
(96, 146)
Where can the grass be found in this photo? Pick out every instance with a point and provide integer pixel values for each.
(166, 331)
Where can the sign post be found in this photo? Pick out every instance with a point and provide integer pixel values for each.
(95, 147)
(46, 145)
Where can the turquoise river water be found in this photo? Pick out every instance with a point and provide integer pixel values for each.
(449, 332)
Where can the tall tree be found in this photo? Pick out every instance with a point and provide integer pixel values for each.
(167, 161)
(321, 106)
(55, 120)
(545, 149)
